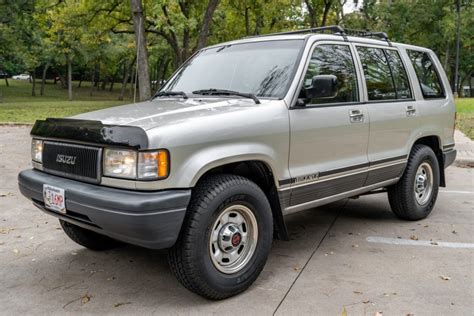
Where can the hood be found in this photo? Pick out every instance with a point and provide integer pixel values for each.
(161, 111)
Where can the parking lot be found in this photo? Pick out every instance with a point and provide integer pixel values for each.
(352, 256)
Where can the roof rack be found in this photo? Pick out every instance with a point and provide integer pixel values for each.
(336, 30)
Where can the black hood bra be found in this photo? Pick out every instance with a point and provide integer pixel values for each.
(91, 131)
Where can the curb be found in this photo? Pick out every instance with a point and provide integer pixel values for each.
(464, 163)
(15, 124)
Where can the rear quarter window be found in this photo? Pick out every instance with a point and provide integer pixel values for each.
(427, 74)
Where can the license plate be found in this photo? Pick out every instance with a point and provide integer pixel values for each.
(54, 198)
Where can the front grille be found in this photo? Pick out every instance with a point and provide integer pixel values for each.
(72, 161)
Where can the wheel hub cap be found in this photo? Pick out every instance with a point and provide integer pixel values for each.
(233, 239)
(230, 237)
(423, 183)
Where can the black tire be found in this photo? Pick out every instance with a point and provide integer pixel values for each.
(190, 258)
(402, 196)
(88, 238)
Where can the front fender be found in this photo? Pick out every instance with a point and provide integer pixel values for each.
(200, 162)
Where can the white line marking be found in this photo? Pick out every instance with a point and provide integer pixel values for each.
(459, 192)
(425, 243)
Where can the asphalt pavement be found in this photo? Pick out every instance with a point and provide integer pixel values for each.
(352, 257)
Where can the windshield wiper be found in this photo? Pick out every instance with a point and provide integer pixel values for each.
(171, 93)
(227, 92)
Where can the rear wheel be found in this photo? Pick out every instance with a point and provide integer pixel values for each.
(88, 238)
(225, 239)
(414, 196)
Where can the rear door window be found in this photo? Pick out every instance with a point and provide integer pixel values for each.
(428, 77)
(400, 77)
(378, 76)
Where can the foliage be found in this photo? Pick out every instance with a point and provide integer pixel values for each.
(98, 35)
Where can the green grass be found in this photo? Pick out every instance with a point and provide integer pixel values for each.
(465, 116)
(18, 106)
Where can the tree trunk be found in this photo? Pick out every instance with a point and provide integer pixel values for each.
(33, 86)
(204, 32)
(247, 21)
(126, 75)
(69, 77)
(471, 93)
(80, 81)
(6, 81)
(446, 58)
(327, 8)
(43, 78)
(163, 73)
(139, 27)
(311, 13)
(92, 82)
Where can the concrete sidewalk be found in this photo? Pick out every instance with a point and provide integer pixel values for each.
(465, 150)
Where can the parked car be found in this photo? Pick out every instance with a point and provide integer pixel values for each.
(243, 134)
(3, 74)
(22, 77)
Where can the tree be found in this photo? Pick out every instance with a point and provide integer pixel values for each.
(142, 52)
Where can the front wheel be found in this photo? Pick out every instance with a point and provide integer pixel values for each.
(225, 239)
(415, 194)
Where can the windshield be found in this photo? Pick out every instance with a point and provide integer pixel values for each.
(264, 69)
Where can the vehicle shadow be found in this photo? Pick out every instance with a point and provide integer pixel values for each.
(141, 278)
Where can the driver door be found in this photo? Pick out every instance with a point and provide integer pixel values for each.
(329, 136)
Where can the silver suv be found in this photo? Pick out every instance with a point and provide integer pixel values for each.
(244, 133)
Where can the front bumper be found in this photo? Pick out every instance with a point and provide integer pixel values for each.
(147, 219)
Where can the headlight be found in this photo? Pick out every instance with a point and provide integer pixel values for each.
(129, 164)
(153, 165)
(120, 163)
(37, 150)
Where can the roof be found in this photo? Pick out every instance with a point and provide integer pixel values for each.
(338, 34)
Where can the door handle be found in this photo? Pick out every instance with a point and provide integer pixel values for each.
(356, 116)
(410, 109)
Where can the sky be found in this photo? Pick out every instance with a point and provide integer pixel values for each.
(350, 6)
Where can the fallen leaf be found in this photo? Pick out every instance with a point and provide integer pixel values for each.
(344, 312)
(2, 243)
(296, 268)
(445, 278)
(426, 226)
(86, 298)
(355, 246)
(16, 251)
(120, 304)
(74, 253)
(6, 230)
(434, 243)
(413, 237)
(378, 313)
(357, 292)
(454, 232)
(366, 301)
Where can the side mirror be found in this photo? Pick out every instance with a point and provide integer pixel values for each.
(322, 87)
